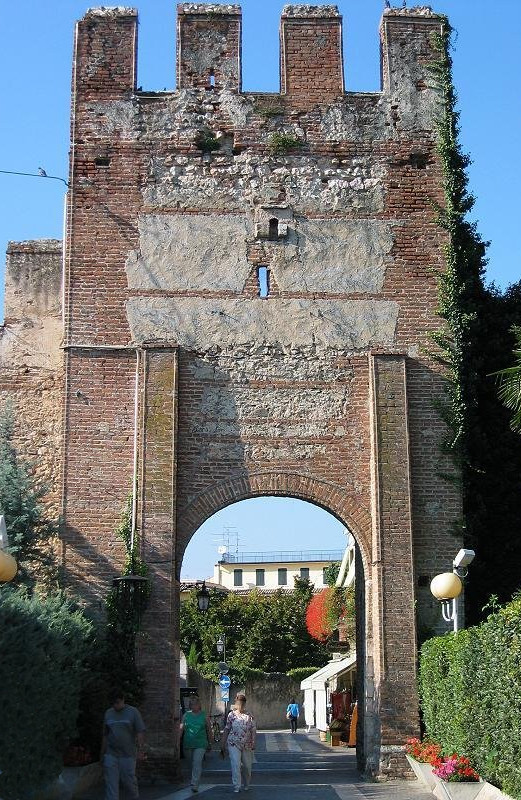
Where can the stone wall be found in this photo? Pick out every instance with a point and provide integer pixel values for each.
(31, 359)
(266, 698)
(184, 380)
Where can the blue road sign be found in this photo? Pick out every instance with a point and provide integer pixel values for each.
(224, 681)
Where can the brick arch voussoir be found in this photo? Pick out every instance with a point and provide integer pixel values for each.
(331, 497)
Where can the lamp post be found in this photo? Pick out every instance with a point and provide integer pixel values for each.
(448, 586)
(203, 598)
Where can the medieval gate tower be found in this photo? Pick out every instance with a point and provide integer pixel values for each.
(249, 288)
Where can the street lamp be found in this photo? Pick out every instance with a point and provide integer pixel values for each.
(8, 565)
(448, 586)
(221, 647)
(203, 598)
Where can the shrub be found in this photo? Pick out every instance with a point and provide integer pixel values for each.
(300, 673)
(329, 609)
(29, 531)
(282, 143)
(471, 695)
(206, 141)
(43, 643)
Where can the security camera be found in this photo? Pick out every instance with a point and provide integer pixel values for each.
(464, 558)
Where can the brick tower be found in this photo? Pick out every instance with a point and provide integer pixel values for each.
(249, 291)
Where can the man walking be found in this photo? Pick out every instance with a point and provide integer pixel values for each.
(121, 745)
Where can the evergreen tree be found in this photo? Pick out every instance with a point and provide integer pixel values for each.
(29, 530)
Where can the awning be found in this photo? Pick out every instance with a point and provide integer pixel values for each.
(319, 679)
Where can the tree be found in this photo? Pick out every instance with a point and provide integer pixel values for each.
(263, 632)
(44, 643)
(509, 380)
(29, 530)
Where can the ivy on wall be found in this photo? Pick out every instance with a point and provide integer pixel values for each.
(475, 341)
(461, 286)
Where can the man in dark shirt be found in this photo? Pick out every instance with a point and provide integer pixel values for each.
(121, 745)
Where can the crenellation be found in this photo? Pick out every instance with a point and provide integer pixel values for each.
(305, 11)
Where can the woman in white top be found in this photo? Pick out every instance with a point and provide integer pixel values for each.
(239, 735)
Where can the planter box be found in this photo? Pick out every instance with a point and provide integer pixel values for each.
(422, 771)
(457, 790)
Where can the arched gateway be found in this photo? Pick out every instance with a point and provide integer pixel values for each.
(249, 291)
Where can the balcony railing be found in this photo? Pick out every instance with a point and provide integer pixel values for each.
(283, 556)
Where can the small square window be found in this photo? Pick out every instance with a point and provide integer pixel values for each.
(304, 573)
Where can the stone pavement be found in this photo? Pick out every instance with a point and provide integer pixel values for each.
(289, 767)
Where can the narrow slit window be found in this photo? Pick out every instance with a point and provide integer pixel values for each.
(273, 229)
(211, 79)
(264, 281)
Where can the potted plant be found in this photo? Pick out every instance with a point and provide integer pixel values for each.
(456, 779)
(422, 757)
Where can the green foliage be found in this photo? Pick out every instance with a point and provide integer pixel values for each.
(207, 141)
(331, 573)
(461, 289)
(30, 532)
(264, 633)
(282, 143)
(472, 344)
(125, 606)
(300, 673)
(192, 658)
(43, 642)
(509, 380)
(471, 695)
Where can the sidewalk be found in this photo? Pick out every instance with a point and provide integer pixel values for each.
(288, 767)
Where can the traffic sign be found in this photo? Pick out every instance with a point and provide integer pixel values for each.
(224, 681)
(225, 695)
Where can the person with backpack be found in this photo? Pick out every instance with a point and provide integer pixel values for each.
(292, 713)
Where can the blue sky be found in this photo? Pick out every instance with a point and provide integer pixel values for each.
(35, 61)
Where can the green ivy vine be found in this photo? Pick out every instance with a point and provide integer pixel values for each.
(460, 289)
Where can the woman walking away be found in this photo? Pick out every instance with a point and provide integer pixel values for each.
(197, 735)
(239, 734)
(292, 713)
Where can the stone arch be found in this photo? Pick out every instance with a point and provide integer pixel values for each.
(329, 496)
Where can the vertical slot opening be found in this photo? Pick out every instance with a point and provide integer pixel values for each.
(211, 78)
(273, 230)
(264, 281)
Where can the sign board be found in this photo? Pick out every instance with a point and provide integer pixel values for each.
(225, 695)
(224, 681)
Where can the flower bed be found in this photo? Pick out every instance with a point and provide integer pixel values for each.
(448, 777)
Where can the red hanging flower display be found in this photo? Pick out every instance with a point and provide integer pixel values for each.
(329, 609)
(319, 620)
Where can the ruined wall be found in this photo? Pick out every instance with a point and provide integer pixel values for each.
(31, 361)
(239, 393)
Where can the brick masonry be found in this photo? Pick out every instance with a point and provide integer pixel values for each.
(323, 390)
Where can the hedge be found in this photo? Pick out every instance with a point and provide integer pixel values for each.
(470, 689)
(43, 644)
(301, 673)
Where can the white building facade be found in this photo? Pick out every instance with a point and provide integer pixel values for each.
(269, 571)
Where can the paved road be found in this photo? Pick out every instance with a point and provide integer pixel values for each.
(290, 767)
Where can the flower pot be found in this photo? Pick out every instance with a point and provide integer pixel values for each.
(457, 790)
(422, 771)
